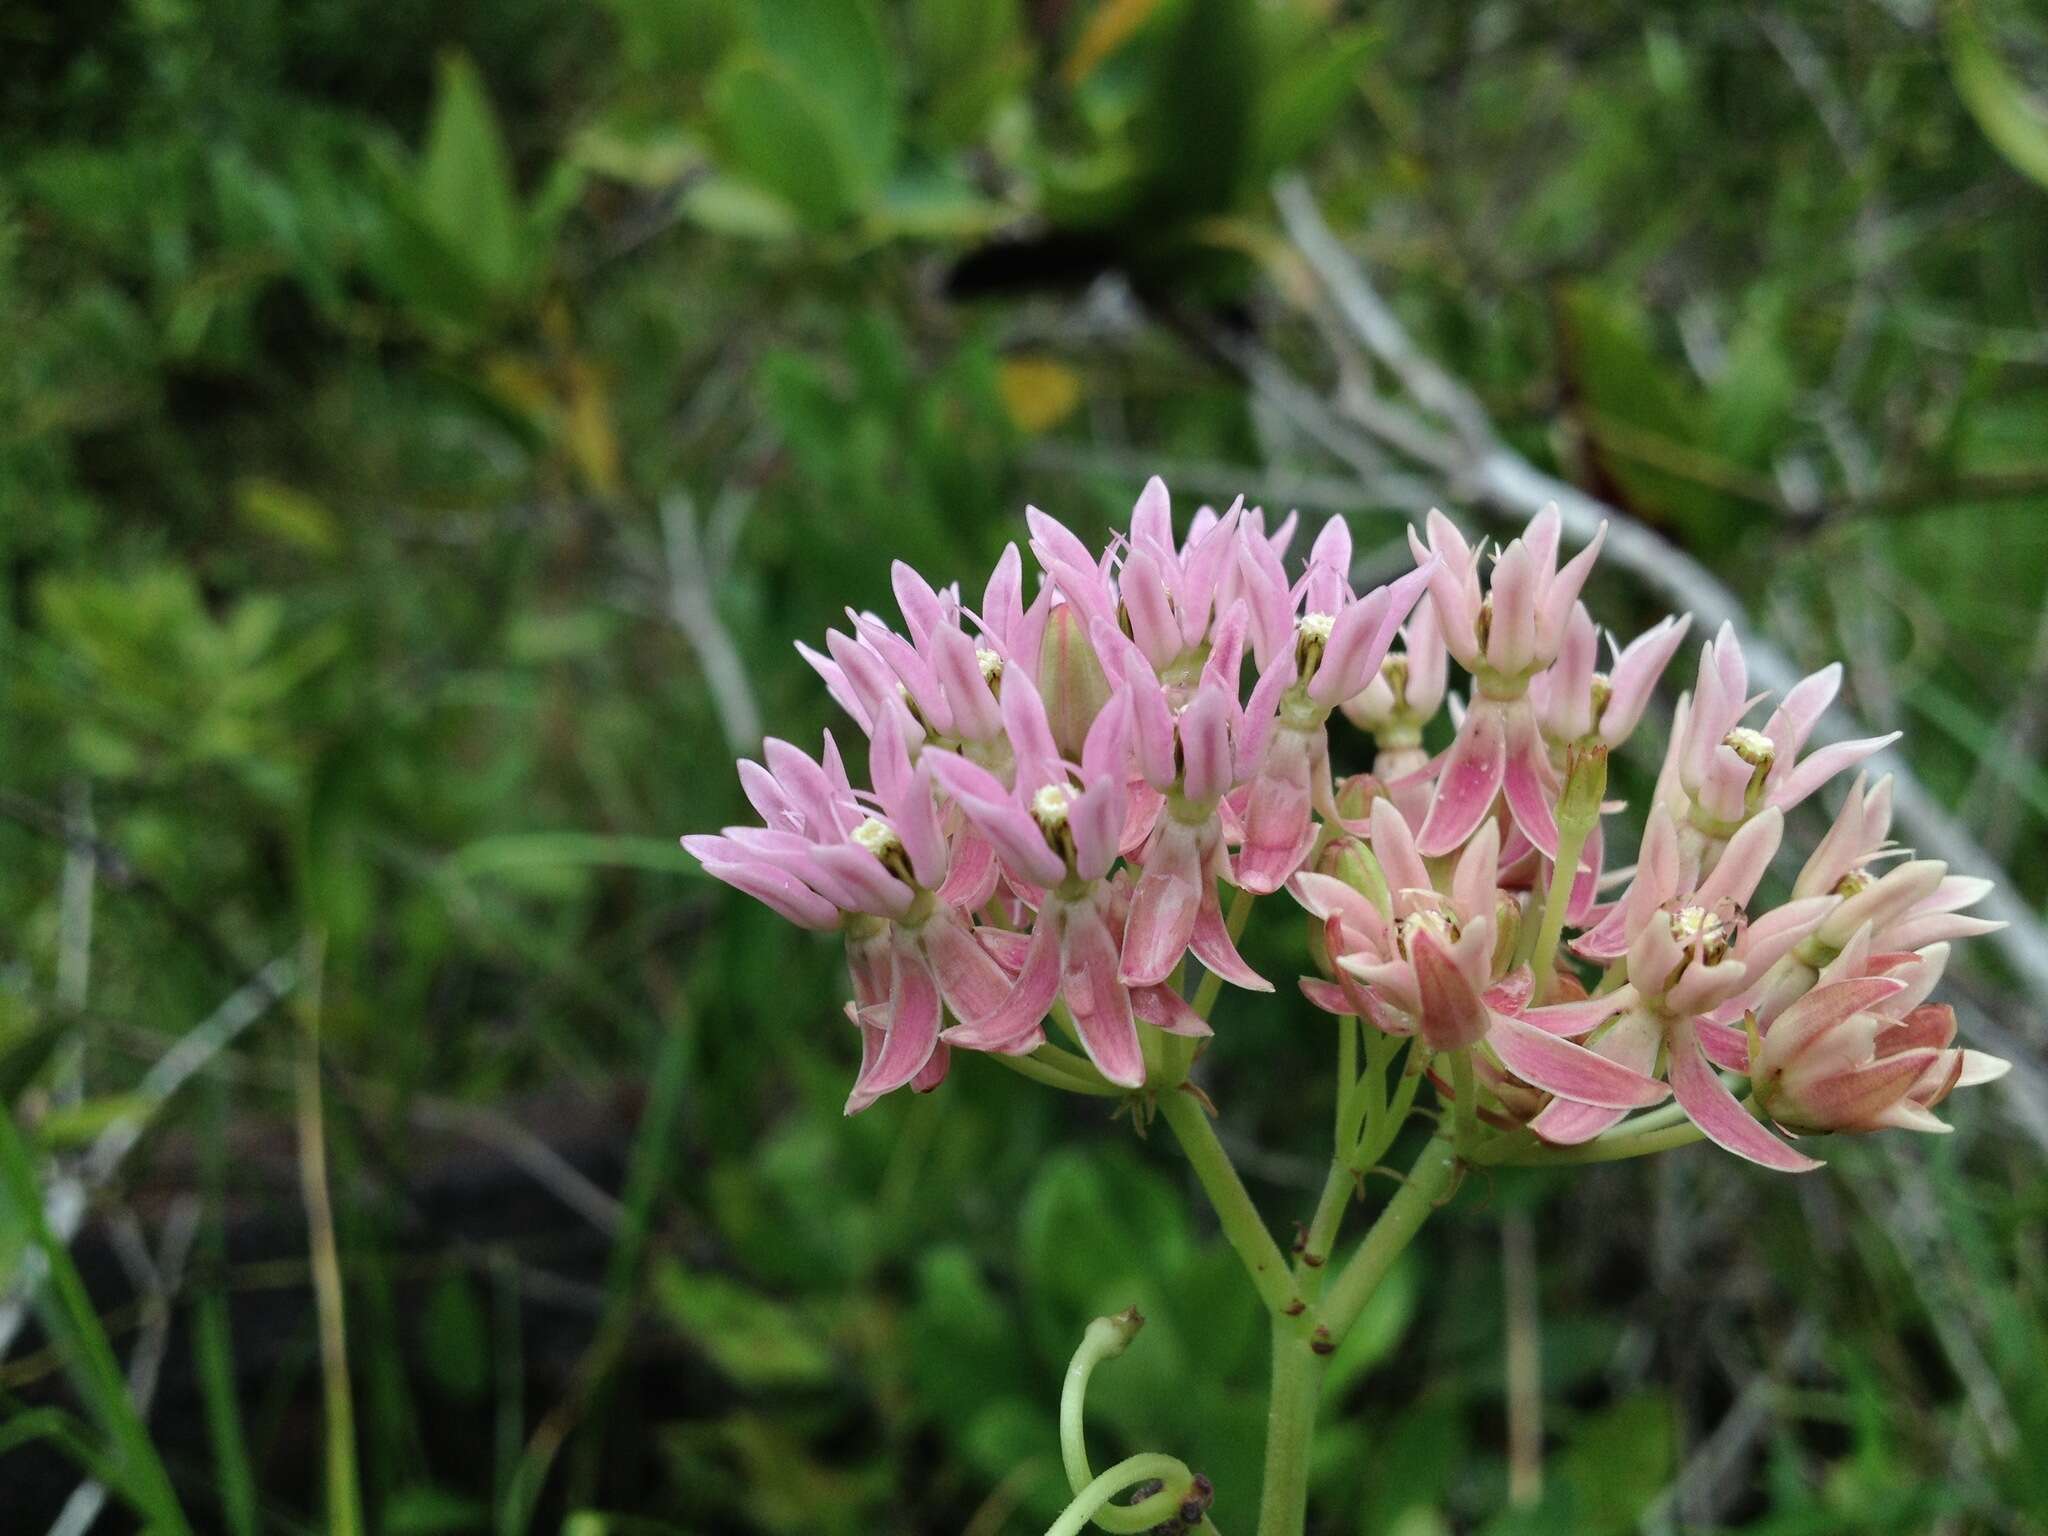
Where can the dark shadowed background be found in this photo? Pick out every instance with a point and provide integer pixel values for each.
(425, 428)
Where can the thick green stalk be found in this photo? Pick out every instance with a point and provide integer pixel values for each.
(1290, 1429)
(1428, 1181)
(1242, 1227)
(1578, 813)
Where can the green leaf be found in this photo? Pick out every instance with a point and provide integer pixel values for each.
(754, 1339)
(457, 1337)
(1195, 127)
(516, 853)
(2013, 120)
(429, 1511)
(1305, 94)
(1618, 1461)
(465, 180)
(836, 50)
(972, 55)
(773, 132)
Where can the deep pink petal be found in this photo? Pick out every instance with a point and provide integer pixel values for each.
(1528, 782)
(1470, 779)
(1163, 907)
(1101, 1005)
(1038, 984)
(1211, 944)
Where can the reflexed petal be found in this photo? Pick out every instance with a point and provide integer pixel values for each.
(1101, 1004)
(1038, 983)
(1454, 1015)
(1469, 781)
(1567, 1070)
(1711, 1107)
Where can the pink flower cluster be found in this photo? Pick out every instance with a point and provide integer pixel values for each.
(1064, 776)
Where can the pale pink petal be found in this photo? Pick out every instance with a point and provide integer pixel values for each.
(1567, 1070)
(1164, 1008)
(1711, 1107)
(922, 610)
(957, 664)
(1205, 745)
(1816, 769)
(1152, 517)
(1744, 862)
(1581, 1014)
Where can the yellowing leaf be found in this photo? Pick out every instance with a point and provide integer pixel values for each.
(1038, 392)
(587, 433)
(288, 514)
(1110, 25)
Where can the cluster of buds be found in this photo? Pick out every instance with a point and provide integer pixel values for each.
(1064, 778)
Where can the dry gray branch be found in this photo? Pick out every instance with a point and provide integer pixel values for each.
(693, 606)
(1471, 457)
(64, 1204)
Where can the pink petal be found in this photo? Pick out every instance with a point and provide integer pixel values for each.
(1711, 1107)
(1101, 1004)
(1152, 516)
(976, 715)
(911, 1026)
(1164, 1008)
(1454, 1015)
(970, 980)
(1744, 862)
(1211, 944)
(922, 610)
(1163, 907)
(1470, 779)
(1575, 1018)
(1817, 769)
(1527, 780)
(1038, 983)
(1567, 1070)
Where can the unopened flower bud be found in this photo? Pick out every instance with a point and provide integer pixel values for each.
(1585, 786)
(1070, 679)
(1507, 921)
(1349, 860)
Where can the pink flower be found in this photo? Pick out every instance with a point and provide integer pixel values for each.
(947, 679)
(1427, 964)
(1503, 639)
(1189, 758)
(823, 860)
(1691, 950)
(1058, 841)
(1867, 1051)
(1330, 652)
(1575, 703)
(1728, 771)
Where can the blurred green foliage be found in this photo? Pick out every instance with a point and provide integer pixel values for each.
(399, 407)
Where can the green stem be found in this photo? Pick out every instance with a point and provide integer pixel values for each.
(1242, 1227)
(1465, 1108)
(1163, 1505)
(1235, 919)
(1432, 1175)
(1290, 1431)
(1105, 1339)
(1338, 1188)
(1524, 1150)
(1571, 842)
(1059, 1069)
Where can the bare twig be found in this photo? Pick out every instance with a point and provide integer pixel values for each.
(65, 1202)
(1474, 457)
(157, 1281)
(693, 607)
